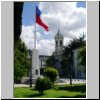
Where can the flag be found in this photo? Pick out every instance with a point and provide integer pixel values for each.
(38, 19)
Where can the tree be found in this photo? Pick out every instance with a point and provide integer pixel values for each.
(21, 63)
(75, 43)
(82, 57)
(52, 73)
(65, 64)
(51, 61)
(18, 9)
(42, 84)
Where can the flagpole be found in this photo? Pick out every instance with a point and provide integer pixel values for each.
(34, 56)
(33, 53)
(35, 32)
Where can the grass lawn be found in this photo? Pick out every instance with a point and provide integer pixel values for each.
(58, 91)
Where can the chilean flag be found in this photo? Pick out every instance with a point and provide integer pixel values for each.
(38, 19)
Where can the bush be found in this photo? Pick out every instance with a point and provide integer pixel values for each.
(42, 84)
(52, 73)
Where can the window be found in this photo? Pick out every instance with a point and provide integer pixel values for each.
(36, 72)
(56, 43)
(60, 42)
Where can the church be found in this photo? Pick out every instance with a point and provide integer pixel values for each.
(57, 54)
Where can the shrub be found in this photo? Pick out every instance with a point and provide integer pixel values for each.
(42, 84)
(52, 73)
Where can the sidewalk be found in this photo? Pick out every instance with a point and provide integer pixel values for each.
(63, 83)
(22, 85)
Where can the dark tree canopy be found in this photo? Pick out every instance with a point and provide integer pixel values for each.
(75, 43)
(18, 8)
(51, 61)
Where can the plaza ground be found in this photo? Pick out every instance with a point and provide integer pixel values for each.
(59, 82)
(57, 91)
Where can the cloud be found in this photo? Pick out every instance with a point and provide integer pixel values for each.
(45, 46)
(27, 35)
(66, 40)
(63, 15)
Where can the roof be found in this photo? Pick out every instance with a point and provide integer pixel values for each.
(58, 34)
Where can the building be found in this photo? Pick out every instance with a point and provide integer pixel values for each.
(57, 54)
(42, 62)
(79, 71)
(59, 47)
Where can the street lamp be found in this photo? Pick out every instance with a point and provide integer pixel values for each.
(30, 57)
(71, 64)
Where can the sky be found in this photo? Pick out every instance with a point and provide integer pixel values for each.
(68, 17)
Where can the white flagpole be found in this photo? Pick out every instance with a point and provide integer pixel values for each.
(35, 32)
(34, 56)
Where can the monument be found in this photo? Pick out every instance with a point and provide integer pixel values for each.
(35, 63)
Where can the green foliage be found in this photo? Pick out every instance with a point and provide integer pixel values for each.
(65, 64)
(21, 63)
(41, 71)
(52, 73)
(82, 57)
(42, 84)
(74, 44)
(51, 61)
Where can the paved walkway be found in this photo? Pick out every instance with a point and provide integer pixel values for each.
(62, 82)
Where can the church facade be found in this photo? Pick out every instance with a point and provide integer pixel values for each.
(59, 47)
(57, 54)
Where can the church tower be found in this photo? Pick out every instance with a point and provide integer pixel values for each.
(58, 41)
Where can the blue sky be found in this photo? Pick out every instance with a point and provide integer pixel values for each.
(28, 16)
(81, 4)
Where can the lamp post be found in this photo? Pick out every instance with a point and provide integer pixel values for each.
(30, 57)
(71, 64)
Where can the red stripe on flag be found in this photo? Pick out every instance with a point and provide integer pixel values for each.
(38, 20)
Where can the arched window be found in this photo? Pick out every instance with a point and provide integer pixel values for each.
(36, 72)
(60, 42)
(56, 43)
